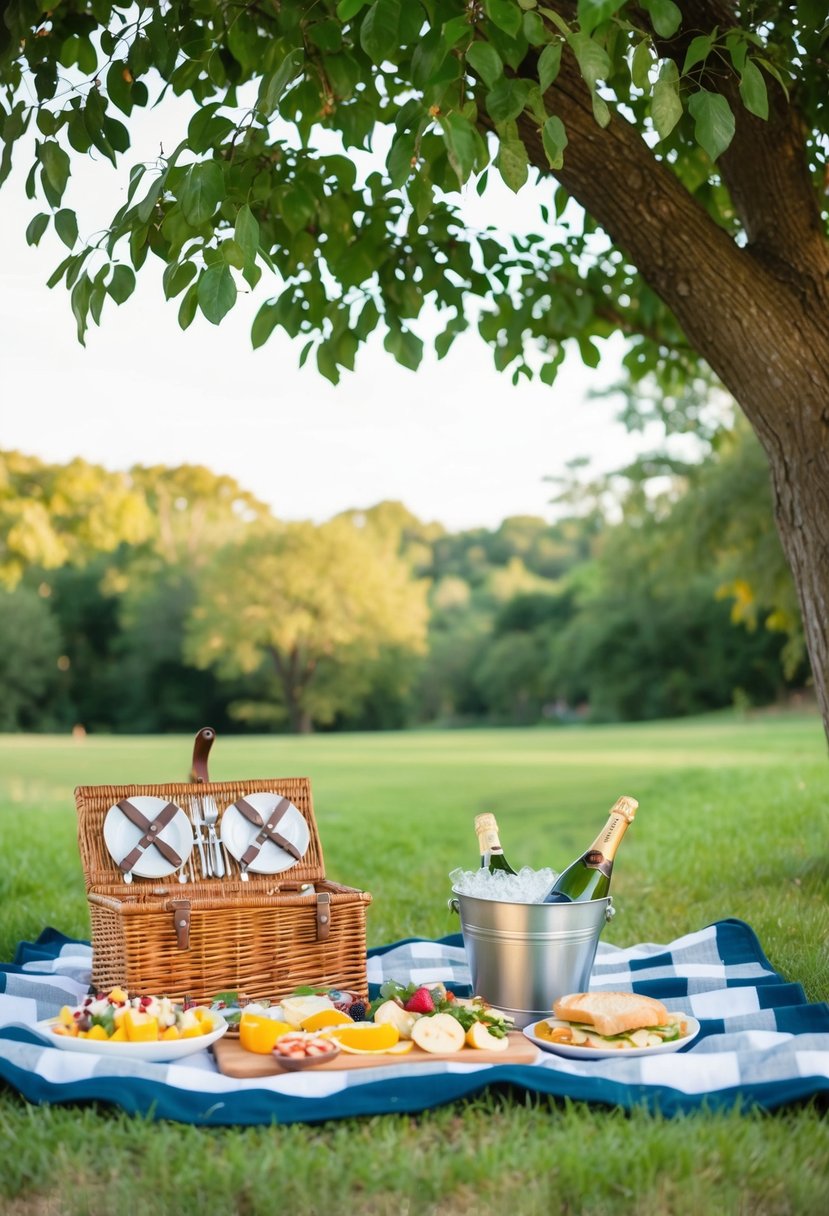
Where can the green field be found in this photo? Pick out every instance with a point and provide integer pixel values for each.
(732, 822)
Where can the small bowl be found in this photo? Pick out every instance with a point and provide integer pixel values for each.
(298, 1063)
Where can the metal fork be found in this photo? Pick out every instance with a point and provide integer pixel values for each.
(210, 817)
(204, 850)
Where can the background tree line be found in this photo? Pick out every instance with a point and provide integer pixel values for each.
(159, 599)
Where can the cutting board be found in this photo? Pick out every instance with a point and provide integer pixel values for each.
(234, 1061)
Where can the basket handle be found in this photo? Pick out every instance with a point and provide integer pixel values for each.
(201, 749)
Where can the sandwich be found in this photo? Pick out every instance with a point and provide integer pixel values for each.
(615, 1020)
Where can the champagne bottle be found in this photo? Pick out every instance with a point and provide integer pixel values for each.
(492, 855)
(588, 877)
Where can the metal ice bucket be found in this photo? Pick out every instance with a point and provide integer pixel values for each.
(522, 957)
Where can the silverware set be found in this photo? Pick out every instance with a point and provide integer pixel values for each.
(209, 858)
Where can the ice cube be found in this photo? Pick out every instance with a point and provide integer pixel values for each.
(528, 886)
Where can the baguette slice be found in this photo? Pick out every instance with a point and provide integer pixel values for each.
(611, 1012)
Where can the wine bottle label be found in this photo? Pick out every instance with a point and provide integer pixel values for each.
(607, 842)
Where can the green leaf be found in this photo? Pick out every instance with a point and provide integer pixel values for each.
(119, 87)
(378, 32)
(79, 300)
(592, 13)
(263, 324)
(506, 15)
(274, 85)
(535, 31)
(202, 192)
(217, 292)
(207, 128)
(461, 144)
(36, 229)
(507, 100)
(399, 159)
(176, 277)
(554, 139)
(665, 16)
(93, 117)
(485, 61)
(55, 165)
(66, 226)
(187, 309)
(641, 65)
(698, 51)
(122, 284)
(593, 60)
(666, 107)
(405, 346)
(713, 121)
(298, 207)
(513, 163)
(753, 92)
(145, 208)
(347, 9)
(549, 62)
(246, 233)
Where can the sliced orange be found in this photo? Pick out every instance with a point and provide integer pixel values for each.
(363, 1037)
(258, 1033)
(324, 1018)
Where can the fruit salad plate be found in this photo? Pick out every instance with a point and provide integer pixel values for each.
(159, 1052)
(574, 1052)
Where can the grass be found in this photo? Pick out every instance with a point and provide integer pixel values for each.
(732, 823)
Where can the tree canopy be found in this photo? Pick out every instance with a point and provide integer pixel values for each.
(329, 140)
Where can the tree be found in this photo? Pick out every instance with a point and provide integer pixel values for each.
(693, 138)
(318, 605)
(56, 514)
(29, 657)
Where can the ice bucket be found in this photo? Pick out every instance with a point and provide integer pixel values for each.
(522, 957)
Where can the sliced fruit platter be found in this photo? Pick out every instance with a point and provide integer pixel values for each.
(150, 1028)
(415, 1020)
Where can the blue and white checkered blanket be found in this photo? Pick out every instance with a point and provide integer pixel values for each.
(761, 1044)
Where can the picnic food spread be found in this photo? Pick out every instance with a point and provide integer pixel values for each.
(403, 1018)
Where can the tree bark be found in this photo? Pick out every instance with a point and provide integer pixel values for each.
(758, 312)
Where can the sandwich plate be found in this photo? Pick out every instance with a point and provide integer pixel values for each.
(574, 1052)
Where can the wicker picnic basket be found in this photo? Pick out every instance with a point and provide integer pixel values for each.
(264, 937)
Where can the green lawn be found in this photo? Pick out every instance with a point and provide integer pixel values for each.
(732, 822)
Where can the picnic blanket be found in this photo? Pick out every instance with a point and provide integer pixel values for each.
(761, 1044)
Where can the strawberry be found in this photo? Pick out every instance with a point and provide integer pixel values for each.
(420, 1001)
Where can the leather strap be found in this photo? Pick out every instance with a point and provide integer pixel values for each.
(151, 830)
(181, 922)
(268, 831)
(323, 915)
(201, 749)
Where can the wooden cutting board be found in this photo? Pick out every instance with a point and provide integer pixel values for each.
(234, 1061)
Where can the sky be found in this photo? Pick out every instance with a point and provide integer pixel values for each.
(455, 441)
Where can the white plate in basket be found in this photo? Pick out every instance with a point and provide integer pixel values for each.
(148, 1053)
(574, 1052)
(121, 836)
(238, 833)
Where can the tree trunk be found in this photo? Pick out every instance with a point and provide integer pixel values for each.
(757, 313)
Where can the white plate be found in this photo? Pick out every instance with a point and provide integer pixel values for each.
(574, 1052)
(238, 833)
(149, 1053)
(121, 836)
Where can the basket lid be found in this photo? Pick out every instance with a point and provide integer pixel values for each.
(262, 830)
